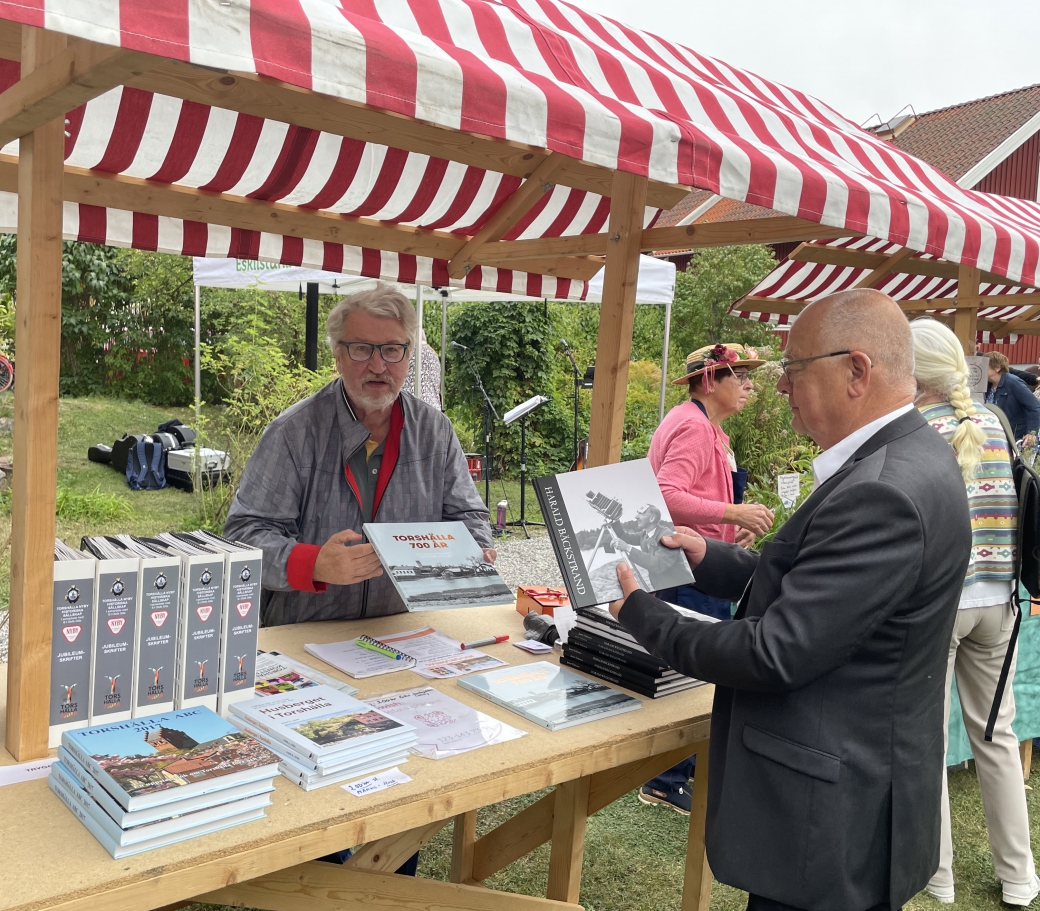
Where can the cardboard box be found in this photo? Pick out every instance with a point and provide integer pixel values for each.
(540, 598)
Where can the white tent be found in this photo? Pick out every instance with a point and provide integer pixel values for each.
(655, 285)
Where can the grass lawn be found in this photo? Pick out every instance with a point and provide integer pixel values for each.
(634, 854)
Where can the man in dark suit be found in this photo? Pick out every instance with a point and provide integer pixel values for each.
(827, 729)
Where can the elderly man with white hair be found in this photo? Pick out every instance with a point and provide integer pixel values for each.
(826, 755)
(359, 450)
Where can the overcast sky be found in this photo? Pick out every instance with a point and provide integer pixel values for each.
(861, 58)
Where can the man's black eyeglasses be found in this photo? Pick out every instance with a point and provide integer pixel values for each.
(805, 360)
(390, 352)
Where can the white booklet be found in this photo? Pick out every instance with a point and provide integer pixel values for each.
(446, 727)
(277, 673)
(429, 653)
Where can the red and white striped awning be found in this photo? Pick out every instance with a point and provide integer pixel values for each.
(541, 73)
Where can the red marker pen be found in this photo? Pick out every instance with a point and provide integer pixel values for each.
(493, 640)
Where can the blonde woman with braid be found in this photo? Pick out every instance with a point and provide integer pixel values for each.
(985, 618)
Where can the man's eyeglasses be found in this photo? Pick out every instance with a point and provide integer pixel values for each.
(785, 364)
(390, 352)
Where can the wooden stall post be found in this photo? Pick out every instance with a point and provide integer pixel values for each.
(616, 317)
(38, 313)
(966, 319)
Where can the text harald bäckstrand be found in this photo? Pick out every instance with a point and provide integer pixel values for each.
(566, 543)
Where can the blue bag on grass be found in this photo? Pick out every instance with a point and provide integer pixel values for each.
(145, 466)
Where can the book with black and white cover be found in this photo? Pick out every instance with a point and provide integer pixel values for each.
(627, 679)
(115, 630)
(158, 587)
(118, 851)
(128, 818)
(240, 617)
(321, 722)
(72, 630)
(170, 825)
(632, 655)
(549, 695)
(436, 565)
(197, 677)
(602, 516)
(160, 759)
(277, 673)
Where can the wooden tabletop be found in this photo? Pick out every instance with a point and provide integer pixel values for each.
(49, 859)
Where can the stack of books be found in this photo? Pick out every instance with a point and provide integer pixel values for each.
(323, 736)
(148, 782)
(600, 646)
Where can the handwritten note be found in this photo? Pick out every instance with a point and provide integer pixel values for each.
(787, 487)
(379, 782)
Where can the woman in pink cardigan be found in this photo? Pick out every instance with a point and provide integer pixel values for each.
(703, 489)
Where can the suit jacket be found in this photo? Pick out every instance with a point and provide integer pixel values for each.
(827, 726)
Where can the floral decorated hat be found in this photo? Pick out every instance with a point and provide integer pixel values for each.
(712, 357)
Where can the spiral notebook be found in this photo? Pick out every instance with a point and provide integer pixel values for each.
(357, 661)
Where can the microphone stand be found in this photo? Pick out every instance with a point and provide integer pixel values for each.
(577, 386)
(487, 415)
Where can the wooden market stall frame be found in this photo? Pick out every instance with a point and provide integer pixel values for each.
(59, 73)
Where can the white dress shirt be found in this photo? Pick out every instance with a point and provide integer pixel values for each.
(829, 461)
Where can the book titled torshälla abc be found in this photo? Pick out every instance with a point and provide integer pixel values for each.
(159, 759)
(436, 565)
(599, 517)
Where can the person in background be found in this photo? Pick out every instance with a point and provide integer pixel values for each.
(986, 615)
(430, 383)
(1012, 396)
(703, 488)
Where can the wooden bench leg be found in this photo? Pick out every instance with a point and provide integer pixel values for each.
(568, 840)
(463, 839)
(697, 879)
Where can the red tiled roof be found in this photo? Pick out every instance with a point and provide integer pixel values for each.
(957, 138)
(723, 210)
(689, 202)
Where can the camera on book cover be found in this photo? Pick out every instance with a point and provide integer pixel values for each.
(607, 507)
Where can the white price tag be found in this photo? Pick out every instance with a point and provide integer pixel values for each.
(379, 782)
(787, 487)
(27, 771)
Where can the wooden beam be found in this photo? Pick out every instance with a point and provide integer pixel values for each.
(965, 320)
(38, 320)
(697, 876)
(568, 840)
(772, 305)
(318, 886)
(387, 854)
(616, 318)
(262, 96)
(10, 40)
(463, 840)
(884, 270)
(507, 215)
(136, 195)
(81, 71)
(857, 259)
(1023, 321)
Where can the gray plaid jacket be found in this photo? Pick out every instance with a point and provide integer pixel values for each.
(294, 490)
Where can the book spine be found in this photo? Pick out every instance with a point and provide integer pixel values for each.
(564, 542)
(80, 796)
(649, 692)
(240, 627)
(615, 635)
(115, 639)
(82, 815)
(251, 720)
(614, 650)
(159, 586)
(92, 787)
(72, 633)
(201, 639)
(624, 672)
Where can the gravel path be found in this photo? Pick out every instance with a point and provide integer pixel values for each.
(520, 562)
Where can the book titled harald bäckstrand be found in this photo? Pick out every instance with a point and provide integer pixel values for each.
(602, 516)
(436, 565)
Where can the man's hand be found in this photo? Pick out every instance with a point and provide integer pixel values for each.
(490, 554)
(752, 516)
(745, 538)
(341, 562)
(691, 543)
(628, 585)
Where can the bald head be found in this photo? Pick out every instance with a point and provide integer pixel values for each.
(869, 321)
(850, 361)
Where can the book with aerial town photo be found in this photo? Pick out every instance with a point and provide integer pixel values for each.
(158, 759)
(436, 565)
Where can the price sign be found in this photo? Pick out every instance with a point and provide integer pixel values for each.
(787, 486)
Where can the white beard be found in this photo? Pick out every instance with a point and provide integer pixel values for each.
(374, 401)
